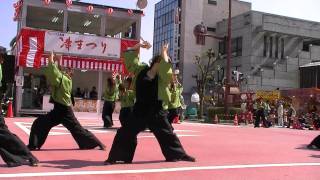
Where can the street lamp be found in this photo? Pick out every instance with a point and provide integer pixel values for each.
(287, 58)
(274, 70)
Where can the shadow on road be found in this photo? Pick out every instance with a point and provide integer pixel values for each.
(73, 163)
(70, 164)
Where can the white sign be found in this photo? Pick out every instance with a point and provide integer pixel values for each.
(77, 44)
(19, 80)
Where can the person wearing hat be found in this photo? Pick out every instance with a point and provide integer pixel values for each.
(151, 86)
(62, 113)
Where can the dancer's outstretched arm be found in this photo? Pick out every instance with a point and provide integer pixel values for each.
(52, 72)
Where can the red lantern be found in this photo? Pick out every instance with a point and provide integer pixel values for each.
(142, 4)
(109, 11)
(68, 3)
(15, 5)
(90, 8)
(130, 12)
(47, 2)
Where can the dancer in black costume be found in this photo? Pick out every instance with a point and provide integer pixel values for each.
(150, 109)
(62, 112)
(315, 143)
(12, 150)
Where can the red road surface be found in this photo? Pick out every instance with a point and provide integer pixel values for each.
(222, 152)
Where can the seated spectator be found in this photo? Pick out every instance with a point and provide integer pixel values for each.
(78, 93)
(93, 93)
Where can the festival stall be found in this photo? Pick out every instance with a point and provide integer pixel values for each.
(90, 39)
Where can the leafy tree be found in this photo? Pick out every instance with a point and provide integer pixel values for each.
(204, 75)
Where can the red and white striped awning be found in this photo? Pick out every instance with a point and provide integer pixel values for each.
(31, 53)
(88, 63)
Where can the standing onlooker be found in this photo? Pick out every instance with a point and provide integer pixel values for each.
(280, 114)
(260, 116)
(243, 108)
(291, 114)
(110, 96)
(266, 119)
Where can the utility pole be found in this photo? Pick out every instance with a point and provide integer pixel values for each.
(227, 91)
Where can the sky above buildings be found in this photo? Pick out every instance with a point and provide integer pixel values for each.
(306, 9)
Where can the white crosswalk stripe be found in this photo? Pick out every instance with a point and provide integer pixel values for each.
(96, 129)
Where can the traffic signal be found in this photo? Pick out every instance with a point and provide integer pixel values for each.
(237, 76)
(234, 75)
(241, 77)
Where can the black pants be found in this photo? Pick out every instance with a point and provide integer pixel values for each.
(124, 115)
(125, 141)
(172, 114)
(316, 142)
(108, 108)
(61, 115)
(259, 117)
(12, 150)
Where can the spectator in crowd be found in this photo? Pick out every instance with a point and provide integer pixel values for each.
(86, 94)
(291, 114)
(93, 93)
(260, 115)
(280, 114)
(78, 92)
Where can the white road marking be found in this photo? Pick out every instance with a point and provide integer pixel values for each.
(23, 127)
(59, 130)
(141, 171)
(179, 135)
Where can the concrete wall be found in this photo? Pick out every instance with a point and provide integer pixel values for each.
(284, 74)
(193, 13)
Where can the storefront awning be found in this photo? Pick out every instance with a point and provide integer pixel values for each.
(78, 51)
(88, 64)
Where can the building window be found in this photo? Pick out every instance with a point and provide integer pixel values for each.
(45, 18)
(271, 47)
(277, 48)
(239, 46)
(282, 48)
(212, 2)
(222, 47)
(265, 46)
(236, 47)
(211, 29)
